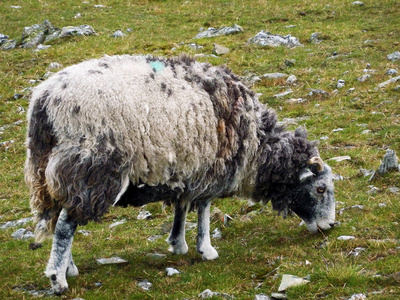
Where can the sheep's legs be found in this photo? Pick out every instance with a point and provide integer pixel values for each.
(60, 263)
(203, 235)
(176, 238)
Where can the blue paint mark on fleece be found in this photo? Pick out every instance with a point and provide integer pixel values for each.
(157, 65)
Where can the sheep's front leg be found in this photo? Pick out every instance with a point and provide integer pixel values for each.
(176, 238)
(203, 235)
(60, 263)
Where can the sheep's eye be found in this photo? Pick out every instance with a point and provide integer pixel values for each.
(321, 189)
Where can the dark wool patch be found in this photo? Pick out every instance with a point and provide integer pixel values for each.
(152, 75)
(76, 109)
(64, 85)
(163, 87)
(95, 72)
(104, 65)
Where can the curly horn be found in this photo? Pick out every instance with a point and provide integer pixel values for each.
(316, 160)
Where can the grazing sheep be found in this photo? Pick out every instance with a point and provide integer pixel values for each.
(129, 130)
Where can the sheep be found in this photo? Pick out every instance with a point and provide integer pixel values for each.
(130, 130)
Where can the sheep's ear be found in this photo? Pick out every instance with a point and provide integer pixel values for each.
(306, 174)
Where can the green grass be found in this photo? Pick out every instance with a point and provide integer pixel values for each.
(254, 253)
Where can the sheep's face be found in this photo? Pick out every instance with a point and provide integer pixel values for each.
(314, 199)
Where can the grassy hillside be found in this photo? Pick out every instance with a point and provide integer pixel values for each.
(257, 247)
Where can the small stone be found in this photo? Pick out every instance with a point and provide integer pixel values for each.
(366, 173)
(316, 38)
(118, 34)
(358, 297)
(337, 129)
(84, 232)
(290, 281)
(278, 296)
(17, 96)
(283, 94)
(391, 72)
(296, 101)
(171, 271)
(274, 40)
(41, 47)
(359, 3)
(23, 234)
(340, 158)
(292, 79)
(364, 77)
(261, 297)
(54, 66)
(356, 251)
(20, 222)
(16, 6)
(394, 56)
(220, 50)
(216, 234)
(318, 92)
(289, 62)
(275, 75)
(144, 215)
(117, 223)
(112, 260)
(389, 163)
(346, 237)
(367, 131)
(213, 32)
(394, 190)
(145, 285)
(337, 177)
(382, 205)
(77, 16)
(340, 83)
(390, 81)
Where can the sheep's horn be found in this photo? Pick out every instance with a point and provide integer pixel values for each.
(316, 160)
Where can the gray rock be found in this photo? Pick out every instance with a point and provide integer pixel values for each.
(8, 45)
(356, 251)
(318, 92)
(54, 66)
(214, 32)
(81, 30)
(346, 237)
(261, 297)
(275, 75)
(359, 3)
(358, 297)
(283, 94)
(366, 173)
(23, 234)
(394, 190)
(289, 62)
(394, 56)
(220, 50)
(274, 40)
(112, 260)
(216, 234)
(290, 281)
(278, 296)
(296, 101)
(340, 83)
(41, 47)
(117, 223)
(292, 79)
(391, 72)
(36, 34)
(209, 294)
(3, 38)
(171, 271)
(84, 232)
(145, 285)
(391, 80)
(389, 163)
(340, 158)
(144, 215)
(118, 33)
(316, 38)
(16, 223)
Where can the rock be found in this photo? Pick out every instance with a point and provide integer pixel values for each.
(340, 83)
(278, 296)
(275, 75)
(274, 40)
(382, 205)
(220, 50)
(209, 294)
(346, 237)
(318, 92)
(3, 38)
(394, 190)
(366, 173)
(289, 62)
(290, 281)
(359, 3)
(390, 81)
(145, 285)
(337, 177)
(214, 32)
(356, 251)
(171, 271)
(340, 158)
(41, 47)
(216, 234)
(84, 232)
(36, 34)
(394, 56)
(20, 222)
(337, 129)
(8, 45)
(112, 260)
(54, 66)
(77, 16)
(262, 297)
(23, 234)
(118, 33)
(154, 237)
(316, 38)
(391, 72)
(117, 223)
(292, 79)
(81, 30)
(283, 94)
(296, 101)
(390, 163)
(144, 215)
(372, 190)
(358, 296)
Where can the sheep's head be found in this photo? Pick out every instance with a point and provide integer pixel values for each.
(314, 199)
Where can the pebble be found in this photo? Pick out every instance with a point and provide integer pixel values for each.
(394, 56)
(154, 237)
(358, 297)
(171, 271)
(145, 285)
(292, 79)
(364, 77)
(346, 237)
(118, 34)
(391, 72)
(261, 297)
(220, 50)
(214, 32)
(340, 83)
(117, 223)
(84, 232)
(144, 215)
(275, 75)
(274, 40)
(359, 3)
(20, 222)
(23, 234)
(340, 158)
(112, 260)
(391, 80)
(278, 296)
(290, 281)
(283, 94)
(216, 234)
(394, 190)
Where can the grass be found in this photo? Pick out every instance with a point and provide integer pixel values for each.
(253, 253)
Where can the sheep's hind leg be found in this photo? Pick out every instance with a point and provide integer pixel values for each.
(176, 238)
(203, 234)
(60, 263)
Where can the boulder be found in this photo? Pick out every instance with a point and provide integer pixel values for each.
(265, 39)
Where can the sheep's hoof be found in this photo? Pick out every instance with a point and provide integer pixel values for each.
(208, 253)
(58, 287)
(177, 247)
